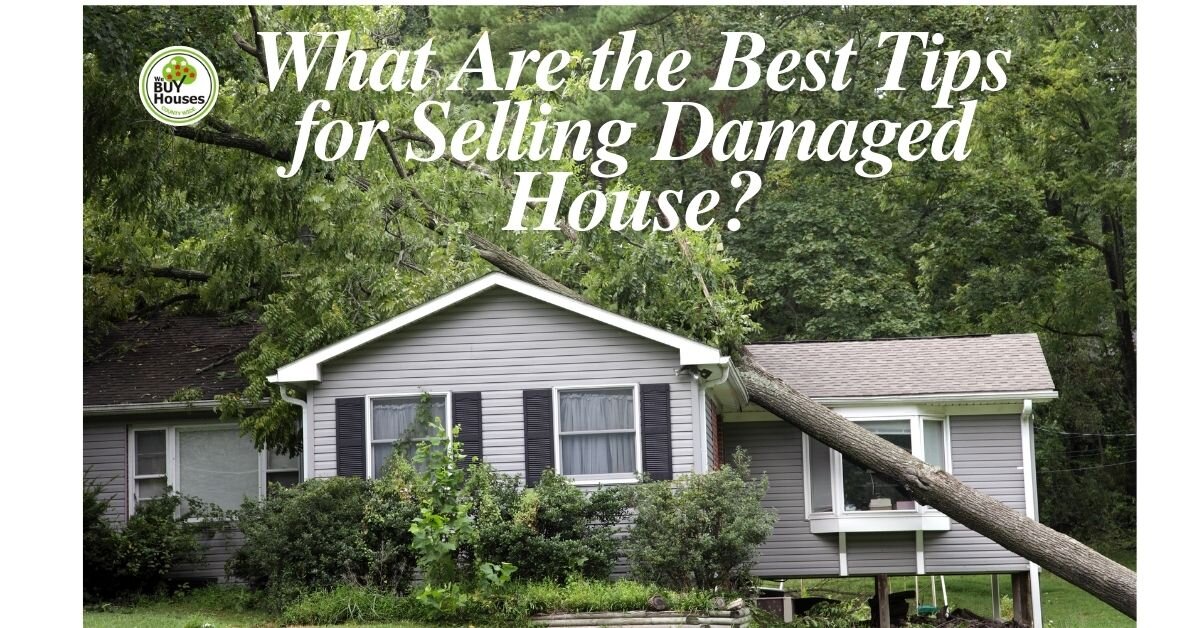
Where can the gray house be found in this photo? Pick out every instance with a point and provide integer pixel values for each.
(536, 380)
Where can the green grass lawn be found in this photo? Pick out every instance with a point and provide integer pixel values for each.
(188, 612)
(1063, 604)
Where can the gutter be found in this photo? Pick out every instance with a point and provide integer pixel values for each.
(142, 408)
(304, 439)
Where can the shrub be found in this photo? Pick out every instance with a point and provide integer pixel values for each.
(162, 533)
(100, 547)
(700, 531)
(138, 558)
(317, 535)
(551, 532)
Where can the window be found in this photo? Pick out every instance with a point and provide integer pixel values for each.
(838, 488)
(393, 422)
(863, 489)
(281, 470)
(217, 466)
(598, 433)
(149, 464)
(213, 463)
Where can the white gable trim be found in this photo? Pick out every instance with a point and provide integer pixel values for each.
(308, 368)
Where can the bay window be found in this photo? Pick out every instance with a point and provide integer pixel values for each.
(842, 495)
(213, 463)
(393, 424)
(597, 431)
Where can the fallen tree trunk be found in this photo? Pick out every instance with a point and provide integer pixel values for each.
(1062, 555)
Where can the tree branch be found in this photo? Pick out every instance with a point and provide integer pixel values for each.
(165, 272)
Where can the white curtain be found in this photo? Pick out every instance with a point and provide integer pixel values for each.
(597, 430)
(396, 419)
(217, 466)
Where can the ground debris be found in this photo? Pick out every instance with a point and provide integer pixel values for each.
(962, 618)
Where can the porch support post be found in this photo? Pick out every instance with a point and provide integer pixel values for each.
(996, 597)
(1022, 594)
(883, 615)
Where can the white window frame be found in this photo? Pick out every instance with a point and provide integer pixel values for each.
(922, 518)
(168, 462)
(605, 478)
(172, 455)
(447, 421)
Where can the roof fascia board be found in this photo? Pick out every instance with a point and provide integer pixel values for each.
(141, 408)
(308, 368)
(1016, 396)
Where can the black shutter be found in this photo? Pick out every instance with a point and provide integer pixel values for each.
(539, 433)
(656, 431)
(468, 416)
(351, 436)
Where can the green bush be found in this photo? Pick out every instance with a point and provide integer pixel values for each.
(137, 558)
(100, 547)
(700, 531)
(157, 537)
(553, 531)
(317, 535)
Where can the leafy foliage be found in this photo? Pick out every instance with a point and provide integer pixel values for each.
(511, 607)
(100, 546)
(322, 533)
(552, 532)
(701, 531)
(137, 559)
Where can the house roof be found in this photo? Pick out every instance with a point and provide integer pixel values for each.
(962, 365)
(152, 361)
(308, 368)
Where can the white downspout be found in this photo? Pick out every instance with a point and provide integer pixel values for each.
(305, 457)
(726, 368)
(1031, 505)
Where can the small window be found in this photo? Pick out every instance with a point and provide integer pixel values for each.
(821, 476)
(935, 443)
(149, 464)
(282, 470)
(597, 432)
(394, 424)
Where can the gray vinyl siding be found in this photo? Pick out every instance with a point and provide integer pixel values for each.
(888, 552)
(985, 454)
(500, 343)
(105, 457)
(218, 548)
(776, 449)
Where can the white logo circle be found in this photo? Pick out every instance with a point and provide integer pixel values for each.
(178, 85)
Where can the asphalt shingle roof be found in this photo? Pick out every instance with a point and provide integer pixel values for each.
(909, 366)
(151, 361)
